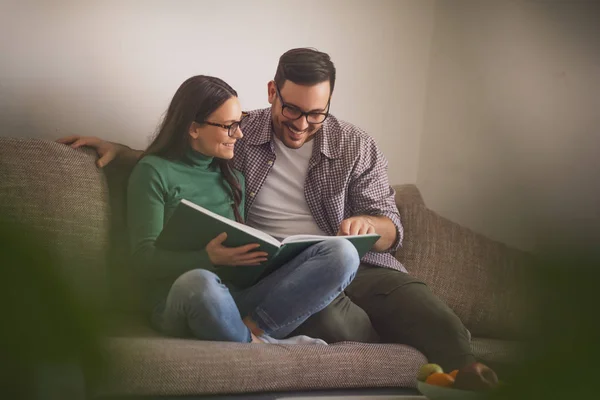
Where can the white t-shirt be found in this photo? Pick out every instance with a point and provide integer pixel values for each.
(280, 208)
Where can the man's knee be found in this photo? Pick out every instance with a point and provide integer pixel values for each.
(434, 310)
(414, 304)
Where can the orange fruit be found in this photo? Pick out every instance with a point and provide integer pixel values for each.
(453, 373)
(440, 379)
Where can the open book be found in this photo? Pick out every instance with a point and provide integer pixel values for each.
(191, 227)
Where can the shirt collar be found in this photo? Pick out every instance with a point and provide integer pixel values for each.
(260, 125)
(327, 140)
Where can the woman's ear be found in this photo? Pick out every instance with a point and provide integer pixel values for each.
(194, 130)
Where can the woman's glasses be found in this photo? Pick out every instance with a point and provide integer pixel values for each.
(231, 128)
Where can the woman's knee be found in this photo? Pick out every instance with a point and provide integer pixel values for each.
(197, 283)
(344, 259)
(200, 304)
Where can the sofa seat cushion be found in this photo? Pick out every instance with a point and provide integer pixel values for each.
(169, 366)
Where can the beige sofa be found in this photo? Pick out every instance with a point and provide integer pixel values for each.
(80, 208)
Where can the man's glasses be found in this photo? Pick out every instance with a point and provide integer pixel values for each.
(231, 128)
(294, 113)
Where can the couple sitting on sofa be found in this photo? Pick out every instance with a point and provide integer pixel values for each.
(304, 171)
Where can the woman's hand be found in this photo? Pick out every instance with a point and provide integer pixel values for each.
(107, 151)
(243, 255)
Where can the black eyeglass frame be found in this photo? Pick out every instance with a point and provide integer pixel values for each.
(230, 131)
(284, 105)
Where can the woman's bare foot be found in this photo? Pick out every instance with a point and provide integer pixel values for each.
(249, 322)
(255, 339)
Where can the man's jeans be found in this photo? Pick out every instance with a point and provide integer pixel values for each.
(200, 305)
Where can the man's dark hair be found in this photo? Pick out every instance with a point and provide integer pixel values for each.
(305, 66)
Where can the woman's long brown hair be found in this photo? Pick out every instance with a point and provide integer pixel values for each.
(196, 99)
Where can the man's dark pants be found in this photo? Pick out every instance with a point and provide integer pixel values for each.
(387, 306)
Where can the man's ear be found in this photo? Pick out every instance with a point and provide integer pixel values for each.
(193, 131)
(271, 92)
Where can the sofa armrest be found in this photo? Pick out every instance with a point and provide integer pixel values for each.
(408, 194)
(482, 280)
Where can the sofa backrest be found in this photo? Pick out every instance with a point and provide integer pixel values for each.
(60, 194)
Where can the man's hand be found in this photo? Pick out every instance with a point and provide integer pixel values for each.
(359, 225)
(107, 151)
(364, 224)
(243, 255)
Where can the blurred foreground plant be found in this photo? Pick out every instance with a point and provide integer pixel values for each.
(47, 338)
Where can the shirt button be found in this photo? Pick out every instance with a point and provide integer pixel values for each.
(252, 194)
(270, 162)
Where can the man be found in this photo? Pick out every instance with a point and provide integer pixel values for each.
(308, 172)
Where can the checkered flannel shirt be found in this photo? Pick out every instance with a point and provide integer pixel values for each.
(347, 176)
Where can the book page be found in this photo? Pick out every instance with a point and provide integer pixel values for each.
(248, 229)
(314, 238)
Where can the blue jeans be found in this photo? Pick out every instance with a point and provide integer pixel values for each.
(201, 306)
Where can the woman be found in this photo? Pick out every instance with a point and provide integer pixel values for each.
(185, 294)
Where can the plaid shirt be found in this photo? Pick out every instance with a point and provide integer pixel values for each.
(347, 176)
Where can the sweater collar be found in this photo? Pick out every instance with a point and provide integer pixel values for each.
(198, 159)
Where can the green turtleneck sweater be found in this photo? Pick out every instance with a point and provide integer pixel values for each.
(156, 186)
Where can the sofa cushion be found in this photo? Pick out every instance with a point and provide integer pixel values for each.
(144, 362)
(164, 366)
(483, 281)
(61, 194)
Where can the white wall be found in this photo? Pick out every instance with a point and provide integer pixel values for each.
(511, 138)
(494, 112)
(109, 68)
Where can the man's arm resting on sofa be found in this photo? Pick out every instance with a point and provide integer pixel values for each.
(107, 151)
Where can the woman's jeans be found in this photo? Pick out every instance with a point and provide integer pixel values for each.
(199, 305)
